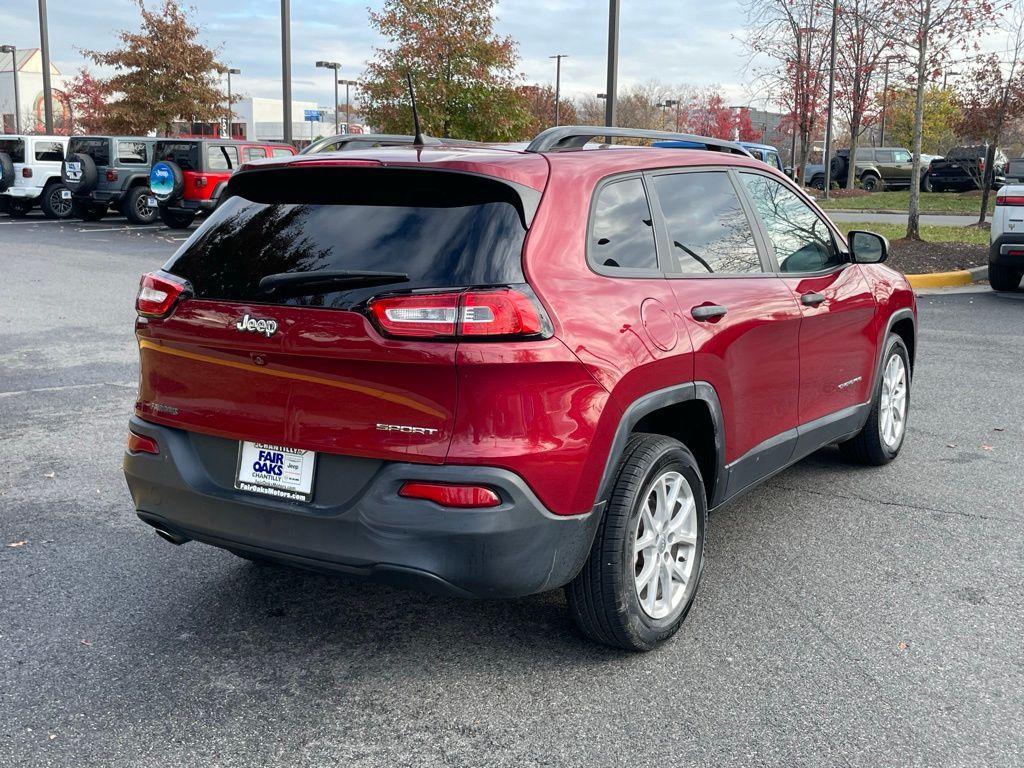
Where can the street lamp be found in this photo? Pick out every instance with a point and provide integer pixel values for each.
(286, 69)
(335, 66)
(44, 49)
(348, 103)
(14, 73)
(558, 80)
(613, 63)
(231, 109)
(674, 103)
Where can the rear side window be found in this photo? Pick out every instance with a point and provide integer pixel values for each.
(132, 153)
(443, 230)
(221, 158)
(901, 156)
(883, 156)
(97, 149)
(282, 152)
(254, 153)
(1016, 167)
(707, 226)
(49, 151)
(802, 241)
(15, 148)
(185, 154)
(622, 232)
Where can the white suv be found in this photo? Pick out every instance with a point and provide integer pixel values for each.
(1006, 249)
(30, 175)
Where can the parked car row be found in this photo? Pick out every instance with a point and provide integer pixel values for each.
(143, 178)
(882, 168)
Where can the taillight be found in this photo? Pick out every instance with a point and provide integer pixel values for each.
(157, 295)
(111, 174)
(493, 313)
(200, 181)
(1009, 199)
(26, 173)
(142, 444)
(460, 496)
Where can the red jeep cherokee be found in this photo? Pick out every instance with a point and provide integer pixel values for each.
(492, 372)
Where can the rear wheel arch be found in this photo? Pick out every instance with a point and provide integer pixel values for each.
(690, 413)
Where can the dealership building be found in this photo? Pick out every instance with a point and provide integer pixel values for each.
(29, 73)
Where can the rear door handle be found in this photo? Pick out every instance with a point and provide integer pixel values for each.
(812, 299)
(708, 311)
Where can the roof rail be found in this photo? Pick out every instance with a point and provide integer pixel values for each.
(575, 136)
(348, 141)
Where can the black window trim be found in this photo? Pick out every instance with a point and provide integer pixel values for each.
(768, 267)
(659, 247)
(838, 241)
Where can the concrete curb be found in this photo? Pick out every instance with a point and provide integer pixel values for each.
(903, 212)
(949, 279)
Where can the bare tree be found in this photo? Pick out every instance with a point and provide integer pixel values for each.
(795, 35)
(928, 32)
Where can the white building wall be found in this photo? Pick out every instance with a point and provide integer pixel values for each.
(30, 86)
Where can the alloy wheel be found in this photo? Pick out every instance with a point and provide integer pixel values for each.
(893, 406)
(58, 204)
(665, 545)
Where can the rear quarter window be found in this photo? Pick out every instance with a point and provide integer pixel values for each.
(49, 151)
(132, 152)
(185, 154)
(444, 230)
(221, 158)
(621, 228)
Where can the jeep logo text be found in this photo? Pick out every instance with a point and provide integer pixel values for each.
(257, 325)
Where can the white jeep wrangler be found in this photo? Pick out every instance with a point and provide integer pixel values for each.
(30, 174)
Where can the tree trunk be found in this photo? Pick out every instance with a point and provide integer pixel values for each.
(851, 169)
(988, 178)
(914, 208)
(805, 152)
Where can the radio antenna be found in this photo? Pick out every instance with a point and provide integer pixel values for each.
(418, 138)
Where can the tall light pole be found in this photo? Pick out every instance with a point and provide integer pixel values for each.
(885, 98)
(335, 66)
(286, 68)
(44, 49)
(674, 103)
(558, 81)
(14, 73)
(231, 109)
(348, 103)
(831, 101)
(612, 89)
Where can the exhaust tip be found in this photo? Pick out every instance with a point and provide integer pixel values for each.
(175, 539)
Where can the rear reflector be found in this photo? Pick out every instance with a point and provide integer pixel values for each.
(157, 295)
(460, 496)
(1009, 199)
(142, 444)
(495, 313)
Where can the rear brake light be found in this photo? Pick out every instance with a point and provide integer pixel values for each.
(460, 496)
(26, 173)
(157, 295)
(142, 444)
(200, 181)
(501, 312)
(1009, 199)
(111, 174)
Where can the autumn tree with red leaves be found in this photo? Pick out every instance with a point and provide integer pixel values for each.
(745, 130)
(794, 34)
(87, 97)
(162, 73)
(540, 103)
(991, 94)
(928, 32)
(465, 76)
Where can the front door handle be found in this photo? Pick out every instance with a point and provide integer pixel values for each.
(812, 299)
(708, 311)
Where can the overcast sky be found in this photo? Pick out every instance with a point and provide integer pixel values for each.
(676, 41)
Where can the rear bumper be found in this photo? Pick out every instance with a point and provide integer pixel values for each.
(24, 193)
(106, 196)
(1007, 251)
(515, 549)
(181, 205)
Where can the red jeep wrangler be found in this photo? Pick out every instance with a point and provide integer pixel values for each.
(492, 372)
(189, 175)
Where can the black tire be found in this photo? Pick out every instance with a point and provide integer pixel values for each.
(18, 207)
(6, 171)
(89, 211)
(818, 182)
(53, 205)
(78, 173)
(1004, 278)
(926, 184)
(603, 599)
(868, 446)
(872, 183)
(135, 209)
(176, 219)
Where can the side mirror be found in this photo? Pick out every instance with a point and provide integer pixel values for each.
(867, 247)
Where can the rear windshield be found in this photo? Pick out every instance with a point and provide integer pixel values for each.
(184, 153)
(441, 229)
(15, 148)
(1017, 167)
(97, 149)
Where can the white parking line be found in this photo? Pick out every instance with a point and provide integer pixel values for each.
(65, 388)
(121, 229)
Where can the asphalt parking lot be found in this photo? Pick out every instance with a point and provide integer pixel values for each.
(848, 616)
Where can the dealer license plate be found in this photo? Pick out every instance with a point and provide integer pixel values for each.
(275, 470)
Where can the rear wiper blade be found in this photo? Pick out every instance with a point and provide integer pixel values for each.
(309, 283)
